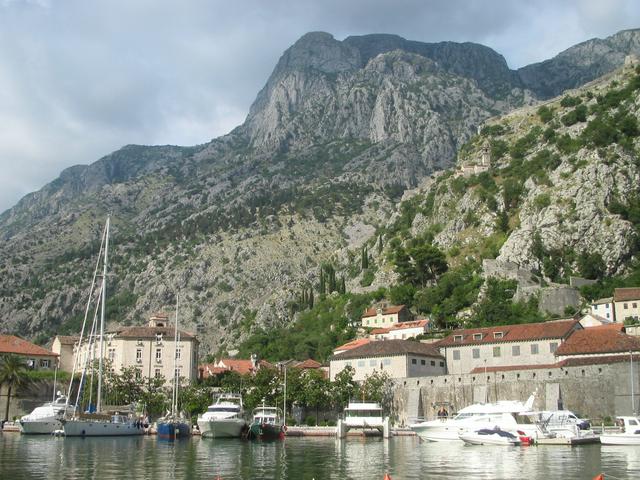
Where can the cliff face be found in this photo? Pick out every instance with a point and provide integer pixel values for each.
(238, 225)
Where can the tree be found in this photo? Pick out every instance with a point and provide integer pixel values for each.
(420, 263)
(316, 389)
(378, 387)
(343, 388)
(13, 374)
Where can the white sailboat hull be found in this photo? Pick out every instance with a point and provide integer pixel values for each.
(101, 428)
(221, 427)
(473, 438)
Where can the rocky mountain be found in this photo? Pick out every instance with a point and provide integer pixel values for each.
(240, 224)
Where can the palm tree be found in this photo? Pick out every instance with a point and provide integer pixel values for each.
(13, 373)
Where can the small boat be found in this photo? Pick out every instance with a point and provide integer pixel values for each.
(487, 436)
(366, 416)
(45, 419)
(267, 424)
(224, 418)
(629, 434)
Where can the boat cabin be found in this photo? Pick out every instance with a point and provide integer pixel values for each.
(264, 415)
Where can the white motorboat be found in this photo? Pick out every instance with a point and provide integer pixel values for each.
(562, 424)
(489, 436)
(629, 434)
(364, 415)
(477, 417)
(45, 419)
(225, 418)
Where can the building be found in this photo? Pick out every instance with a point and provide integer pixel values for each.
(627, 303)
(149, 349)
(358, 342)
(604, 308)
(400, 331)
(592, 320)
(385, 316)
(598, 341)
(506, 345)
(36, 357)
(63, 345)
(399, 358)
(240, 366)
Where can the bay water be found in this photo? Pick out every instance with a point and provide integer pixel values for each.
(319, 458)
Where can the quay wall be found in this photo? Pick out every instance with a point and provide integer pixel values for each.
(595, 391)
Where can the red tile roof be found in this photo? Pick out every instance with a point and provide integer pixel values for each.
(386, 348)
(379, 331)
(68, 339)
(207, 370)
(243, 367)
(358, 342)
(599, 340)
(626, 294)
(511, 333)
(309, 363)
(412, 324)
(18, 346)
(150, 332)
(373, 311)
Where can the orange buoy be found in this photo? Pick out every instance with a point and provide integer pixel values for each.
(599, 477)
(388, 477)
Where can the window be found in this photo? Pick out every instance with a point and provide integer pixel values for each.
(457, 338)
(138, 374)
(442, 364)
(477, 336)
(515, 350)
(475, 353)
(626, 305)
(178, 353)
(112, 354)
(606, 305)
(553, 346)
(361, 363)
(433, 363)
(372, 363)
(347, 364)
(423, 362)
(45, 363)
(414, 361)
(534, 349)
(387, 361)
(635, 305)
(498, 334)
(158, 355)
(456, 354)
(138, 355)
(496, 351)
(158, 373)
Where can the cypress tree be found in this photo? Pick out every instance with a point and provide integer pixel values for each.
(311, 301)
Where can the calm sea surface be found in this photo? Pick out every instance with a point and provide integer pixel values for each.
(303, 458)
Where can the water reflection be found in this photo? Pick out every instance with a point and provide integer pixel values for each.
(303, 458)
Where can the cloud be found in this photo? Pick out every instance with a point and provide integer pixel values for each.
(80, 79)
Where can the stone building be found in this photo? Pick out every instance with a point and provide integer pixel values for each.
(399, 358)
(603, 307)
(385, 316)
(238, 365)
(149, 349)
(400, 331)
(506, 345)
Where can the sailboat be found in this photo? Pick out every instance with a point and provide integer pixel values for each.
(98, 423)
(173, 425)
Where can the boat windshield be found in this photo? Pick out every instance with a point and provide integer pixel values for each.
(363, 413)
(223, 409)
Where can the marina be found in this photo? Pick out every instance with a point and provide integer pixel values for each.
(403, 457)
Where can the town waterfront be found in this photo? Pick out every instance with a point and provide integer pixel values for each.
(303, 458)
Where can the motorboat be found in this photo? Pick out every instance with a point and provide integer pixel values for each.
(476, 417)
(45, 419)
(364, 415)
(562, 424)
(489, 436)
(225, 418)
(629, 434)
(267, 424)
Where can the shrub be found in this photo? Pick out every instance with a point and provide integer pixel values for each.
(545, 114)
(542, 201)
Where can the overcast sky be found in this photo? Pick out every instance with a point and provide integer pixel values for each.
(79, 79)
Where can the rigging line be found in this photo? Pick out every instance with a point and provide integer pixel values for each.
(86, 314)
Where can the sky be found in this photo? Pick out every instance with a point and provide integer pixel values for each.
(79, 79)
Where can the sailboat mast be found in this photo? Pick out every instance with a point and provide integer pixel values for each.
(174, 399)
(102, 308)
(633, 400)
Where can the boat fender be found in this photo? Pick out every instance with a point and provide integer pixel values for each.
(284, 428)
